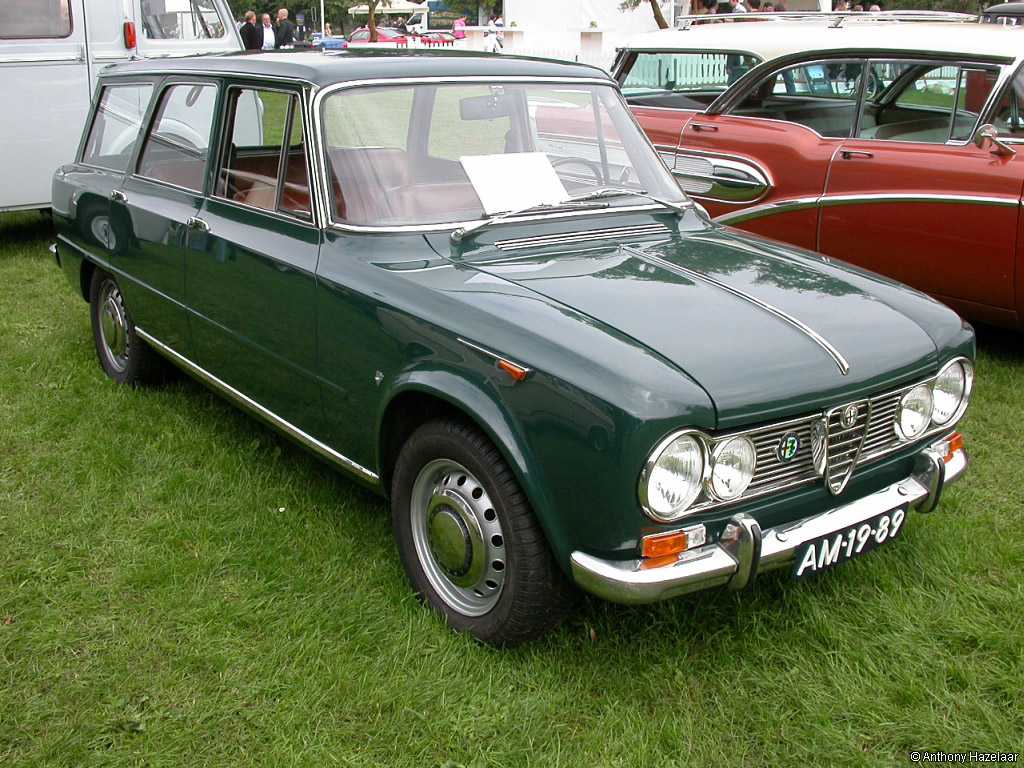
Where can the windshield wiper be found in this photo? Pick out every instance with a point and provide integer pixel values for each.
(679, 207)
(580, 202)
(569, 205)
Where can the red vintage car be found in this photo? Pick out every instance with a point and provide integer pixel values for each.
(889, 144)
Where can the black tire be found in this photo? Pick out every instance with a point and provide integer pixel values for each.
(139, 364)
(534, 596)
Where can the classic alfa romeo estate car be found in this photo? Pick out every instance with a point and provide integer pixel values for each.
(556, 368)
(888, 144)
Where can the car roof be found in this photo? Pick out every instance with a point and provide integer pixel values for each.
(772, 39)
(345, 66)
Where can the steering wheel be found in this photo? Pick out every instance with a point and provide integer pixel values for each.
(591, 166)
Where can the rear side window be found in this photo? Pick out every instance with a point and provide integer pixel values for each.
(115, 129)
(35, 19)
(181, 20)
(682, 80)
(820, 95)
(178, 144)
(256, 169)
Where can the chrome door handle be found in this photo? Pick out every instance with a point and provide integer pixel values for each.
(853, 154)
(704, 127)
(196, 224)
(118, 196)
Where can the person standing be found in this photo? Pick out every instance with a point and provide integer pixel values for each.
(269, 38)
(491, 36)
(252, 40)
(301, 30)
(285, 30)
(736, 6)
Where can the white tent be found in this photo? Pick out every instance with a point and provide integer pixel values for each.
(558, 24)
(394, 8)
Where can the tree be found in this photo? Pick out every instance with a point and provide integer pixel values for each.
(659, 17)
(371, 7)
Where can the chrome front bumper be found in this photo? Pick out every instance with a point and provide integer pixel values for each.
(745, 550)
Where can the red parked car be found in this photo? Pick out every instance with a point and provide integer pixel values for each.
(889, 144)
(384, 35)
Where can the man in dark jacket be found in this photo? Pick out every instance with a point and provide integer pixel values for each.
(252, 39)
(285, 30)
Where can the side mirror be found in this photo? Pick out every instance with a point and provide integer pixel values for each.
(987, 137)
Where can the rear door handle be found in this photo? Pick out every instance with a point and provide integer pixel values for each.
(704, 127)
(855, 154)
(196, 224)
(118, 196)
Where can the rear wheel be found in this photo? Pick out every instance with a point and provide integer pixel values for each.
(122, 354)
(468, 538)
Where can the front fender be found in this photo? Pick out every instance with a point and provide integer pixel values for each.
(479, 401)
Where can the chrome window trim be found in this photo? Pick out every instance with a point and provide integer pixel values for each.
(741, 87)
(710, 440)
(321, 151)
(322, 449)
(841, 362)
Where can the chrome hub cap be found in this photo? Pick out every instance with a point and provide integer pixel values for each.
(113, 326)
(458, 538)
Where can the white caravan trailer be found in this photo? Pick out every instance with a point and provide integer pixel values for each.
(50, 54)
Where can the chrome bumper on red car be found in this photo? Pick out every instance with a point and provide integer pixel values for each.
(745, 550)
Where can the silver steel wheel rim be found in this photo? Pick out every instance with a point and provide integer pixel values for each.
(458, 537)
(113, 325)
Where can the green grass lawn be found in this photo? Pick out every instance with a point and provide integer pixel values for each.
(179, 587)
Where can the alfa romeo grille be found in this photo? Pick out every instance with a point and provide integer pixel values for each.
(772, 472)
(847, 427)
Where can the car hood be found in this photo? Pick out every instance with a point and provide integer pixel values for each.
(768, 331)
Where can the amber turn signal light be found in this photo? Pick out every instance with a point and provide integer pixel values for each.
(517, 372)
(664, 544)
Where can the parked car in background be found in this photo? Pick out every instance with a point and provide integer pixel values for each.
(51, 52)
(551, 362)
(890, 145)
(385, 35)
(328, 42)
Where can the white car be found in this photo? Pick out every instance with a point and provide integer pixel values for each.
(50, 54)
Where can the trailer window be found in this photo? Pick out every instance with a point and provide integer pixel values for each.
(115, 129)
(36, 19)
(181, 20)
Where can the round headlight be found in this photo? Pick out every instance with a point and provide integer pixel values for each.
(951, 386)
(672, 478)
(915, 412)
(732, 467)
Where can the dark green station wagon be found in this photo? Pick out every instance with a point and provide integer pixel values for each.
(470, 282)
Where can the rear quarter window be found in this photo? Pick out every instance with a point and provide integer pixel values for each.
(116, 126)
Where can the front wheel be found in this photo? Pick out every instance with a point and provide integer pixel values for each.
(121, 352)
(468, 538)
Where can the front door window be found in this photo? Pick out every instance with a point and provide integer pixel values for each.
(255, 169)
(929, 103)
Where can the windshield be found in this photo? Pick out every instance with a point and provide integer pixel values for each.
(681, 80)
(418, 155)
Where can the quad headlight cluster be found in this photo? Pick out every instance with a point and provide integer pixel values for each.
(689, 462)
(937, 403)
(686, 463)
